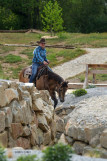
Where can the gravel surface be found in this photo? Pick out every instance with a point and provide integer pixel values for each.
(78, 65)
(17, 153)
(70, 99)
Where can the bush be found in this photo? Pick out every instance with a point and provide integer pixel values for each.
(2, 157)
(27, 158)
(79, 92)
(58, 152)
(91, 86)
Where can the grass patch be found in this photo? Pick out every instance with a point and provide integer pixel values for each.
(2, 75)
(15, 71)
(81, 77)
(6, 49)
(19, 38)
(64, 54)
(75, 39)
(28, 52)
(54, 55)
(12, 58)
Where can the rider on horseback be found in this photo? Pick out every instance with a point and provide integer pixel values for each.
(39, 59)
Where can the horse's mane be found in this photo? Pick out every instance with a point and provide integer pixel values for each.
(54, 76)
(44, 70)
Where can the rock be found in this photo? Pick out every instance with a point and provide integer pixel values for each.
(95, 141)
(26, 111)
(11, 141)
(59, 124)
(53, 129)
(16, 130)
(11, 94)
(79, 147)
(103, 139)
(44, 94)
(35, 120)
(95, 152)
(24, 95)
(4, 139)
(23, 142)
(8, 116)
(41, 106)
(48, 112)
(34, 135)
(17, 112)
(38, 105)
(2, 121)
(47, 138)
(42, 122)
(69, 140)
(62, 139)
(26, 131)
(62, 111)
(4, 84)
(13, 85)
(21, 112)
(3, 98)
(35, 96)
(40, 136)
(88, 119)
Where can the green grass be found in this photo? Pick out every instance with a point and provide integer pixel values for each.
(15, 71)
(19, 38)
(6, 49)
(12, 58)
(28, 52)
(75, 39)
(63, 55)
(81, 77)
(2, 75)
(54, 55)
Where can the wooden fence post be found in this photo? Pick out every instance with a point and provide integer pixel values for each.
(86, 78)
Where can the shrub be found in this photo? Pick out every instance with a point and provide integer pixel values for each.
(58, 152)
(2, 157)
(79, 92)
(27, 158)
(91, 86)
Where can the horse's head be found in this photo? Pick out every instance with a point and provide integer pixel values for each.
(62, 90)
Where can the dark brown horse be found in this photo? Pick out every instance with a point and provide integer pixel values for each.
(48, 80)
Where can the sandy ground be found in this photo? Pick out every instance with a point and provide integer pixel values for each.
(78, 65)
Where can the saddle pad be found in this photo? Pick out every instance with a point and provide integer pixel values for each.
(28, 72)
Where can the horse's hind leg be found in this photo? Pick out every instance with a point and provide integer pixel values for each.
(53, 96)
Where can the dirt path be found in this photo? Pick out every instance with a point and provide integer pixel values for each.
(78, 65)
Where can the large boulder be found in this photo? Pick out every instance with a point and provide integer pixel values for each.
(88, 121)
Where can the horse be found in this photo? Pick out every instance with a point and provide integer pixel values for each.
(48, 80)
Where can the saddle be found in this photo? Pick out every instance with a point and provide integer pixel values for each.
(28, 72)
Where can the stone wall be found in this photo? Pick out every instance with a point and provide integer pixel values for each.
(26, 116)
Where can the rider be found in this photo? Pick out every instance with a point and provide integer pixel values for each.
(39, 58)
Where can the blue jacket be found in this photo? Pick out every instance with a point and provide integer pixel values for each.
(39, 55)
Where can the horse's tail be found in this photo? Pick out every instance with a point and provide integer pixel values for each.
(21, 75)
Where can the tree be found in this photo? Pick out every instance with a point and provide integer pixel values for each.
(52, 17)
(8, 20)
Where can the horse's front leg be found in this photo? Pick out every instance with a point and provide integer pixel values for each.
(53, 96)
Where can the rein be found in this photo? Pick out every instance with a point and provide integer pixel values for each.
(41, 72)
